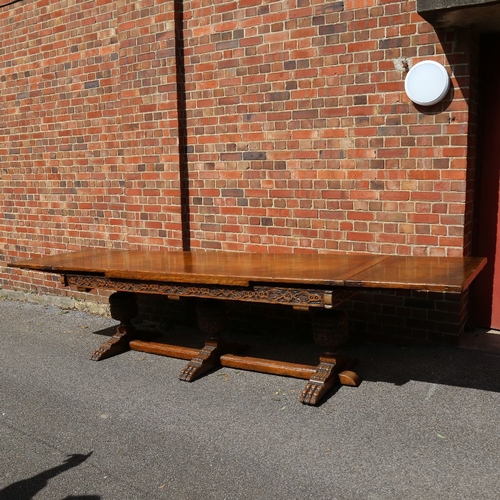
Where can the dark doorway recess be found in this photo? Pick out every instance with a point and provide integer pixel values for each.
(487, 287)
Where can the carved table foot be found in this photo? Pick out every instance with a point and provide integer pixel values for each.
(206, 359)
(330, 331)
(117, 344)
(319, 384)
(212, 318)
(327, 374)
(123, 307)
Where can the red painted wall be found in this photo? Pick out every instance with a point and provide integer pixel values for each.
(487, 286)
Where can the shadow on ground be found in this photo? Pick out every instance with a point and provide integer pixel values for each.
(26, 489)
(378, 362)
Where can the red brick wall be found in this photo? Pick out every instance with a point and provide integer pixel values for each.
(301, 136)
(89, 134)
(295, 133)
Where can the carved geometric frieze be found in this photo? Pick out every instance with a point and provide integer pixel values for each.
(294, 296)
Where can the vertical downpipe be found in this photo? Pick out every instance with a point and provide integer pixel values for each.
(182, 123)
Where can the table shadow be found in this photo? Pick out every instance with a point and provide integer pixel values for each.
(377, 362)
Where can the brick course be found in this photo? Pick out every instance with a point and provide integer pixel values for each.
(265, 126)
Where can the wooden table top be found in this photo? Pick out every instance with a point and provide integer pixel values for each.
(435, 274)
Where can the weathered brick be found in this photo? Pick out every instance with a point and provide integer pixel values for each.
(273, 126)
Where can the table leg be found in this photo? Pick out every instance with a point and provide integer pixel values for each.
(212, 318)
(329, 372)
(330, 331)
(204, 361)
(123, 308)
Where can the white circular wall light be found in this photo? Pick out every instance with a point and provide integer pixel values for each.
(427, 83)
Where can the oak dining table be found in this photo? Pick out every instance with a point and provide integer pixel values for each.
(304, 281)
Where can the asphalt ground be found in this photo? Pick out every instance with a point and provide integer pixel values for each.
(424, 424)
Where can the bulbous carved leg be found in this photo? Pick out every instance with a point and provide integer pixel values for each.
(211, 316)
(330, 331)
(123, 308)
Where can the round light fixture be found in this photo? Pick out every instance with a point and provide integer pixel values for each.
(427, 83)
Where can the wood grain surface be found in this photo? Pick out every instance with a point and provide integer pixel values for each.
(441, 274)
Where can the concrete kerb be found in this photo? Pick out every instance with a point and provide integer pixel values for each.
(57, 301)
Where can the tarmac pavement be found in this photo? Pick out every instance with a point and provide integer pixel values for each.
(424, 424)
